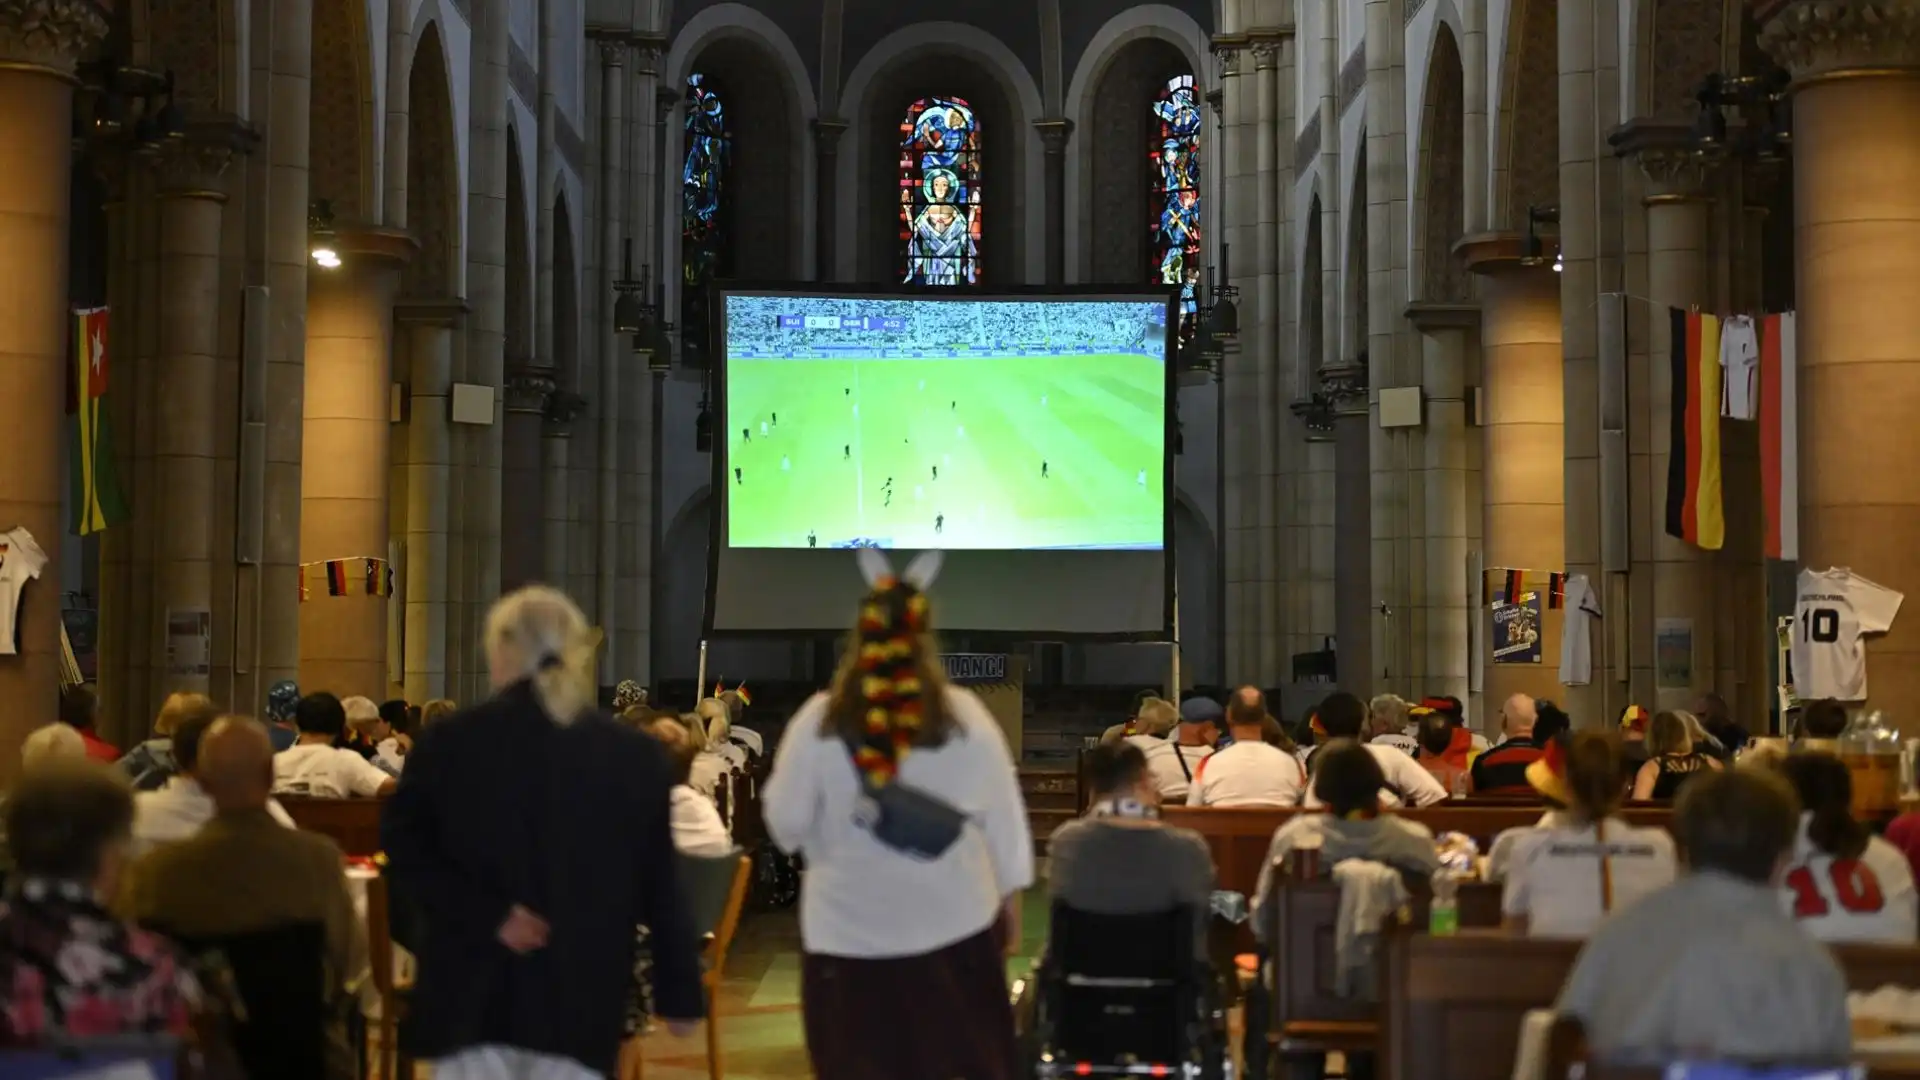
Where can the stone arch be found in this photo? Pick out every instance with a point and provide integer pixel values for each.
(1528, 156)
(1115, 45)
(519, 268)
(340, 112)
(1313, 311)
(433, 187)
(566, 297)
(1678, 43)
(1112, 143)
(967, 62)
(767, 216)
(1441, 195)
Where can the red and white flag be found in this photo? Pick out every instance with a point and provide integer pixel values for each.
(1779, 437)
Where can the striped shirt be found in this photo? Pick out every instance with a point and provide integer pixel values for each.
(1503, 769)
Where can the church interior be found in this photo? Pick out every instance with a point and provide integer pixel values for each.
(1521, 347)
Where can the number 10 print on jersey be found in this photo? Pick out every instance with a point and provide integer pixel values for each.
(1833, 610)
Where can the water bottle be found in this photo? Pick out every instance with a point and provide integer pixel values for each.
(1444, 914)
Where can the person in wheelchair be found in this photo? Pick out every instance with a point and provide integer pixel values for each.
(1124, 980)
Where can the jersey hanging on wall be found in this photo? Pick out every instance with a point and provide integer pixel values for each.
(1832, 610)
(20, 561)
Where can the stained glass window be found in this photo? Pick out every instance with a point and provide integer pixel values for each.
(704, 247)
(1175, 214)
(940, 193)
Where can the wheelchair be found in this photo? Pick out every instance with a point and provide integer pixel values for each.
(1127, 995)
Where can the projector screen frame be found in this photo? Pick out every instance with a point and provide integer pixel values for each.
(716, 394)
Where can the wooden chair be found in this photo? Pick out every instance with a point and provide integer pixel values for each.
(716, 889)
(393, 994)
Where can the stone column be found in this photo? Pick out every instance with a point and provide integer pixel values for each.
(486, 248)
(1676, 580)
(634, 645)
(522, 517)
(39, 43)
(1443, 605)
(826, 155)
(1524, 471)
(1856, 179)
(1279, 449)
(289, 254)
(1053, 137)
(613, 96)
(1263, 355)
(431, 326)
(344, 476)
(192, 198)
(117, 587)
(556, 438)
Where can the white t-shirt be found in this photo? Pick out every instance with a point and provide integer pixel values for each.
(1832, 611)
(860, 898)
(1248, 774)
(177, 811)
(1554, 877)
(1576, 633)
(1866, 899)
(20, 560)
(1406, 744)
(1171, 765)
(1410, 779)
(325, 772)
(697, 828)
(1739, 368)
(1501, 853)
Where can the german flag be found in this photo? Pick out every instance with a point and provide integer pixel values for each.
(98, 502)
(337, 577)
(1694, 511)
(1556, 591)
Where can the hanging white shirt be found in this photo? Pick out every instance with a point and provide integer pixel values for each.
(1868, 899)
(1832, 611)
(325, 772)
(1248, 774)
(1739, 368)
(1576, 633)
(1555, 879)
(21, 560)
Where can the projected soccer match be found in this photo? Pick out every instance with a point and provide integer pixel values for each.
(921, 422)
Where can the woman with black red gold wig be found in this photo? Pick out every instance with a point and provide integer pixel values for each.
(902, 973)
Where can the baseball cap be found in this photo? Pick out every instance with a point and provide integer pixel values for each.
(1200, 710)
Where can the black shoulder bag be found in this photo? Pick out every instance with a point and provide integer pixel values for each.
(916, 823)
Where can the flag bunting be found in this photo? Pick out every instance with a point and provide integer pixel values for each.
(346, 577)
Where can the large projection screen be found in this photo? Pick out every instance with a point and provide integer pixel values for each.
(1023, 434)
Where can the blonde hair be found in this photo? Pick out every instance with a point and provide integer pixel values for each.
(51, 742)
(437, 709)
(537, 634)
(717, 719)
(1671, 732)
(1156, 716)
(669, 731)
(178, 708)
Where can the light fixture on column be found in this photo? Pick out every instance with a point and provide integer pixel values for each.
(118, 102)
(1766, 116)
(631, 312)
(1224, 316)
(1532, 247)
(320, 235)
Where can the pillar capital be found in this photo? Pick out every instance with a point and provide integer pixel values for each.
(49, 35)
(1054, 134)
(613, 49)
(1496, 253)
(826, 134)
(527, 387)
(191, 167)
(563, 408)
(441, 311)
(1430, 317)
(1316, 414)
(1675, 170)
(376, 245)
(1821, 39)
(1344, 385)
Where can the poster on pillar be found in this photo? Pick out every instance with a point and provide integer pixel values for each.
(189, 642)
(1517, 629)
(1673, 654)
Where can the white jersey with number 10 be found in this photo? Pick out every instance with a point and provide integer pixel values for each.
(1831, 612)
(1870, 898)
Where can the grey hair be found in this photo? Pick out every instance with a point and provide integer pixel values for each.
(537, 633)
(51, 742)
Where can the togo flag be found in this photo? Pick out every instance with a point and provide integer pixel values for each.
(97, 499)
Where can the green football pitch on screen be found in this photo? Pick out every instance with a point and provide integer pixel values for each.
(1026, 452)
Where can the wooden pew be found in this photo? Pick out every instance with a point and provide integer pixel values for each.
(1239, 837)
(354, 824)
(1452, 1006)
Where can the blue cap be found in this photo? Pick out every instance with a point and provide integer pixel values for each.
(282, 698)
(1199, 710)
